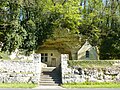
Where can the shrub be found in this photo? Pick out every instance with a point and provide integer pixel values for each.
(91, 63)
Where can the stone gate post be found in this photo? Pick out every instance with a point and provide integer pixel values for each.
(64, 65)
(37, 66)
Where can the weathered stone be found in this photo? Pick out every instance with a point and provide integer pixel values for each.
(118, 77)
(13, 75)
(4, 74)
(17, 71)
(73, 74)
(92, 79)
(1, 79)
(82, 80)
(23, 79)
(30, 75)
(11, 80)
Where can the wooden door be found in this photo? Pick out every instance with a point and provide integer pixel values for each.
(53, 62)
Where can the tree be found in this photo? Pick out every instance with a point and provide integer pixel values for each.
(31, 22)
(13, 33)
(91, 18)
(110, 45)
(100, 24)
(27, 24)
(3, 19)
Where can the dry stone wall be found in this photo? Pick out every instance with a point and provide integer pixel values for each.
(20, 71)
(77, 74)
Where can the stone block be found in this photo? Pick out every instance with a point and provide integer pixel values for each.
(1, 79)
(92, 79)
(23, 79)
(13, 75)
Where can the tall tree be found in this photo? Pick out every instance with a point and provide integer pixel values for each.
(13, 33)
(91, 10)
(110, 35)
(26, 24)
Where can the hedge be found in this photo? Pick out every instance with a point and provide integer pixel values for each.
(92, 63)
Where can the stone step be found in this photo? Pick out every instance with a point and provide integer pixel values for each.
(48, 69)
(43, 77)
(49, 84)
(47, 76)
(50, 77)
(50, 72)
(51, 81)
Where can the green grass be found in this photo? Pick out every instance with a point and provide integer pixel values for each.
(4, 56)
(91, 63)
(17, 85)
(92, 85)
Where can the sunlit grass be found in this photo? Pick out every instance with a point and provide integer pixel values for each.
(4, 56)
(17, 85)
(92, 85)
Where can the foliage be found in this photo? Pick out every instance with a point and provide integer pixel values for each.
(32, 22)
(27, 24)
(91, 18)
(110, 34)
(91, 63)
(66, 42)
(4, 56)
(13, 33)
(101, 26)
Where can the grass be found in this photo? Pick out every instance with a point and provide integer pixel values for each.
(17, 85)
(92, 85)
(4, 56)
(91, 63)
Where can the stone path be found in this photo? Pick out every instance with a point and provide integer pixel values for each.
(60, 88)
(48, 87)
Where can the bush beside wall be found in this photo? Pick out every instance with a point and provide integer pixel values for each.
(92, 63)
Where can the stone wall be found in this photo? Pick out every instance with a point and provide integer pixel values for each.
(77, 74)
(20, 71)
(64, 67)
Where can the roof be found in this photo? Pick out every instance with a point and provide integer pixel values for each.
(85, 47)
(64, 41)
(64, 45)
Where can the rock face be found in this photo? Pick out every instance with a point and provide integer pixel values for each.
(77, 74)
(18, 72)
(91, 74)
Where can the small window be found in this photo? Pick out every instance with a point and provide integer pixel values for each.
(44, 57)
(51, 54)
(42, 54)
(46, 54)
(87, 54)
